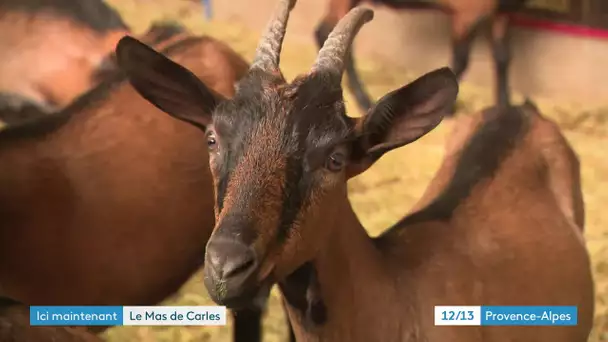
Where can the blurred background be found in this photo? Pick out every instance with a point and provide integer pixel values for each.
(564, 71)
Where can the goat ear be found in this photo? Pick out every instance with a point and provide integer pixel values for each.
(166, 84)
(404, 115)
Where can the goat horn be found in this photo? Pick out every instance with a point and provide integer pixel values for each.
(268, 53)
(332, 54)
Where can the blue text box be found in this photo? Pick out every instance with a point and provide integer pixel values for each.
(76, 315)
(529, 315)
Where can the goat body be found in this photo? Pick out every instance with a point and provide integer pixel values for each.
(500, 224)
(53, 51)
(88, 200)
(468, 17)
(15, 327)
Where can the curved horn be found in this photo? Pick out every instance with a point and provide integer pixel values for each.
(268, 52)
(332, 54)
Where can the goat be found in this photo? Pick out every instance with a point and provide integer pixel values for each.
(15, 327)
(96, 212)
(52, 51)
(16, 107)
(468, 17)
(280, 154)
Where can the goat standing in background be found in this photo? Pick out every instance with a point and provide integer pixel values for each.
(491, 232)
(52, 51)
(468, 17)
(18, 105)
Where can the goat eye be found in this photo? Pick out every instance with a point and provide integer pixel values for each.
(211, 141)
(336, 162)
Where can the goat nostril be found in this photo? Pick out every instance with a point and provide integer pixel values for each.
(230, 260)
(214, 261)
(238, 266)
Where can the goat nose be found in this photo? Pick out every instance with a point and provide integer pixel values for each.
(230, 261)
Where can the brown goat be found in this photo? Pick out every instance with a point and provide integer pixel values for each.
(281, 153)
(108, 201)
(562, 164)
(468, 17)
(15, 327)
(17, 106)
(52, 51)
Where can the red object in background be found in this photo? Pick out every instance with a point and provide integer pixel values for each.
(590, 20)
(548, 25)
(583, 18)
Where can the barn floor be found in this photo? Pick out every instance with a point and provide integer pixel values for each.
(377, 206)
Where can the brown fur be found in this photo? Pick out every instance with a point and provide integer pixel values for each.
(500, 224)
(464, 13)
(131, 250)
(15, 327)
(113, 200)
(557, 157)
(123, 214)
(467, 17)
(51, 58)
(385, 289)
